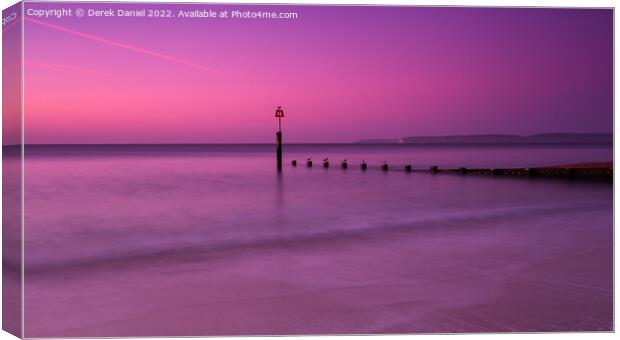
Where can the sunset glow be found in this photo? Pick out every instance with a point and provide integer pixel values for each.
(341, 75)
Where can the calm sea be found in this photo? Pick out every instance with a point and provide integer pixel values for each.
(209, 239)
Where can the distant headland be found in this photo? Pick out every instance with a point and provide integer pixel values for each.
(543, 138)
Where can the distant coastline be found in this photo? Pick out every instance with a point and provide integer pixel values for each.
(543, 138)
(558, 139)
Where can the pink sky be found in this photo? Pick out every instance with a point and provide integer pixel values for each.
(341, 74)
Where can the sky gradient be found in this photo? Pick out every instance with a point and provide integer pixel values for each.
(341, 74)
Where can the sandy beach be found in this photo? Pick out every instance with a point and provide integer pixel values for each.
(496, 277)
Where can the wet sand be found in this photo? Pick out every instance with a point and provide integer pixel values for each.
(532, 274)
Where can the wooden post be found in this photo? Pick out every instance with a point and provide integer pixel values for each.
(572, 173)
(279, 149)
(279, 115)
(531, 172)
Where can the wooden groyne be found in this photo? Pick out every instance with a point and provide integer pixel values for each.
(595, 173)
(599, 171)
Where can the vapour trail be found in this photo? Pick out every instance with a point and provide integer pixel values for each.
(128, 47)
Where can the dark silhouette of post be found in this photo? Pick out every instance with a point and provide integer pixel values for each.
(279, 115)
(384, 166)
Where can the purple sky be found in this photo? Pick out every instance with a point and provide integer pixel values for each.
(341, 73)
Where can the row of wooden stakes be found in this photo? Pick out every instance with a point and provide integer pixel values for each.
(571, 173)
(344, 164)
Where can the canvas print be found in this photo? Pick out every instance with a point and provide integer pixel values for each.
(227, 169)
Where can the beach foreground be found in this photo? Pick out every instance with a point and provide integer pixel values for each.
(449, 280)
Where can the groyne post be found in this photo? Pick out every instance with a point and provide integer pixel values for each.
(572, 173)
(531, 172)
(279, 115)
(279, 150)
(384, 166)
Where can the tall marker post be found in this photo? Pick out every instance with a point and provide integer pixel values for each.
(279, 115)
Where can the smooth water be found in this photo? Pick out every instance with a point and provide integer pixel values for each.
(209, 239)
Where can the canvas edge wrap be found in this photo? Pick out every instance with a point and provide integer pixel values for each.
(12, 170)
